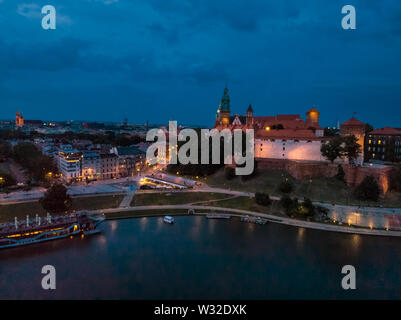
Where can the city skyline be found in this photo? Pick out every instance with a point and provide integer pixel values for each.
(156, 62)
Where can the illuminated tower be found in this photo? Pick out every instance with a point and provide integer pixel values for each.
(19, 119)
(312, 117)
(223, 112)
(357, 128)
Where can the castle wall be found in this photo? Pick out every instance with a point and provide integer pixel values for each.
(288, 149)
(311, 170)
(354, 175)
(300, 169)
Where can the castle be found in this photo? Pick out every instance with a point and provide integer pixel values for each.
(285, 136)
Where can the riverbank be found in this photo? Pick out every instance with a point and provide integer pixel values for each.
(160, 210)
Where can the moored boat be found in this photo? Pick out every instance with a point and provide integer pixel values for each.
(168, 219)
(26, 232)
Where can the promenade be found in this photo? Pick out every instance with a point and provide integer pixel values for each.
(269, 217)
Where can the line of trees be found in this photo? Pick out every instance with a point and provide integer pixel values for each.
(109, 137)
(37, 164)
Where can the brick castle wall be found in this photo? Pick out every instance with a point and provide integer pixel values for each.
(302, 170)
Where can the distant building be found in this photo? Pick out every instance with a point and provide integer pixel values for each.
(109, 165)
(131, 160)
(33, 123)
(384, 144)
(19, 119)
(69, 163)
(91, 165)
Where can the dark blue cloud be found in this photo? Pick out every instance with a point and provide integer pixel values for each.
(170, 59)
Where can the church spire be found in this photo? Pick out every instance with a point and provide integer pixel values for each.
(225, 101)
(223, 112)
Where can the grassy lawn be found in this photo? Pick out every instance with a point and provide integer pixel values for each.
(20, 210)
(95, 203)
(147, 199)
(145, 213)
(328, 190)
(248, 203)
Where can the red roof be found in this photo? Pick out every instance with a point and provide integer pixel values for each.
(353, 122)
(313, 110)
(387, 131)
(288, 117)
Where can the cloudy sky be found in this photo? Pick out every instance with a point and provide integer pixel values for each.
(159, 60)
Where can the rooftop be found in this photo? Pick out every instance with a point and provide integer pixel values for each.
(353, 122)
(387, 131)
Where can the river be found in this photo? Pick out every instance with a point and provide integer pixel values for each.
(197, 258)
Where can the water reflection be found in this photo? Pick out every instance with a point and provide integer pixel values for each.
(356, 240)
(211, 226)
(191, 260)
(300, 236)
(143, 223)
(196, 226)
(159, 223)
(113, 226)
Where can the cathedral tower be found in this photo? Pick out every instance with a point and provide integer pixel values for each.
(223, 112)
(19, 119)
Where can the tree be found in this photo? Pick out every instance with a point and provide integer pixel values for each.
(6, 180)
(262, 199)
(288, 204)
(340, 173)
(56, 199)
(368, 128)
(38, 165)
(351, 148)
(5, 149)
(368, 190)
(286, 186)
(307, 208)
(332, 149)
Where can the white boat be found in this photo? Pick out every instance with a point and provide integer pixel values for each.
(168, 219)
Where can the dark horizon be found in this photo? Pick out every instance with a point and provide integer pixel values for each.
(145, 60)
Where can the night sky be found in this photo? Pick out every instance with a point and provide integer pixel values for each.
(160, 60)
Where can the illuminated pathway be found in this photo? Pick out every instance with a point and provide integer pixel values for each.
(272, 218)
